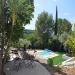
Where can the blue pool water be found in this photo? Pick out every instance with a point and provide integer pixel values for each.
(45, 53)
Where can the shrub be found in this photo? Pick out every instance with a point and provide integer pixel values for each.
(23, 42)
(50, 62)
(70, 43)
(55, 44)
(63, 37)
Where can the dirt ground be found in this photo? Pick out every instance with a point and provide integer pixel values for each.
(66, 71)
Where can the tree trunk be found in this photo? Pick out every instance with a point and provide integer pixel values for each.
(0, 62)
(6, 52)
(2, 34)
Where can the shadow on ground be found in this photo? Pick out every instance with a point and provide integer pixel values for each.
(52, 70)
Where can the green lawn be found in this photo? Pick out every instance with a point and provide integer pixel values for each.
(58, 59)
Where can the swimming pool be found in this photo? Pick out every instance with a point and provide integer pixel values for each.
(45, 53)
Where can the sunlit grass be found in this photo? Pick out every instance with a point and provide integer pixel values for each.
(58, 59)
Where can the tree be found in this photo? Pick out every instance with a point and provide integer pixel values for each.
(44, 27)
(64, 26)
(70, 43)
(56, 23)
(2, 32)
(21, 10)
(23, 42)
(20, 13)
(32, 37)
(63, 37)
(13, 12)
(18, 32)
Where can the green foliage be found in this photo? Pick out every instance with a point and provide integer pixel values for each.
(21, 11)
(58, 60)
(63, 37)
(56, 23)
(44, 27)
(32, 38)
(15, 45)
(73, 33)
(55, 44)
(23, 42)
(73, 27)
(50, 61)
(18, 32)
(38, 43)
(70, 43)
(64, 26)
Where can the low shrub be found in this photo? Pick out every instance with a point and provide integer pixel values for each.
(50, 62)
(55, 45)
(70, 44)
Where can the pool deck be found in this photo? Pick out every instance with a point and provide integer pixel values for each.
(37, 56)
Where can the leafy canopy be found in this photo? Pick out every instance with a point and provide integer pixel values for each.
(70, 43)
(44, 27)
(21, 10)
(64, 26)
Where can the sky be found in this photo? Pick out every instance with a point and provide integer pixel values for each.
(66, 9)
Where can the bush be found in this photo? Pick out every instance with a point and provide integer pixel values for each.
(15, 44)
(70, 43)
(50, 62)
(55, 45)
(23, 42)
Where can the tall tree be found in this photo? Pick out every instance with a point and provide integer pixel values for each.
(44, 27)
(56, 22)
(64, 26)
(20, 9)
(20, 13)
(2, 32)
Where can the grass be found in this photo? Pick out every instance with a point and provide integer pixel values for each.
(60, 53)
(58, 59)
